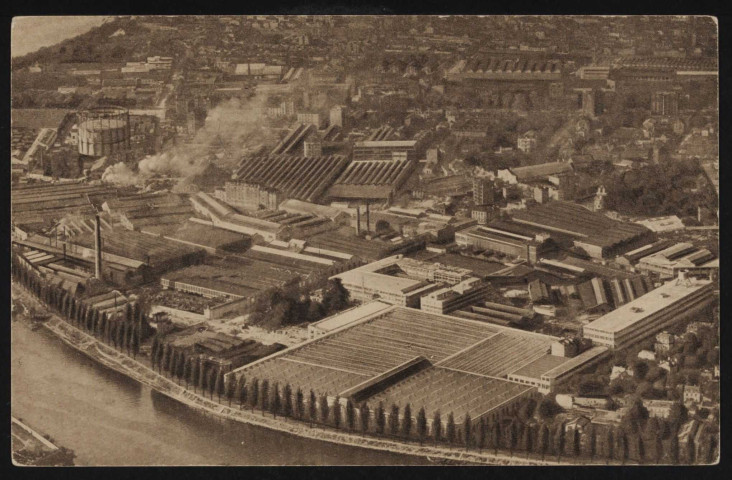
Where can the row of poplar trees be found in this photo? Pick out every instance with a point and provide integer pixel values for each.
(516, 431)
(125, 332)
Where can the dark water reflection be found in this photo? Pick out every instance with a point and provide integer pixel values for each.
(109, 419)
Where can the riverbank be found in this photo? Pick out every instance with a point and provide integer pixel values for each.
(31, 449)
(139, 372)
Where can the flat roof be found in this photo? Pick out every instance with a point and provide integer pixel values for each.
(387, 143)
(540, 366)
(646, 305)
(351, 315)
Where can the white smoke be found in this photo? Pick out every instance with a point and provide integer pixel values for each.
(120, 174)
(234, 127)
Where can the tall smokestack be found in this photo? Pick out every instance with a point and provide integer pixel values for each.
(97, 247)
(358, 219)
(368, 218)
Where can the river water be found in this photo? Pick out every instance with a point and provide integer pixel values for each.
(109, 419)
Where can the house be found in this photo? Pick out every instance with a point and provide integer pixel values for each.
(664, 342)
(617, 372)
(692, 395)
(658, 408)
(527, 142)
(578, 424)
(647, 355)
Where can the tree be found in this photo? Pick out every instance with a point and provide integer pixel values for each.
(511, 436)
(350, 415)
(467, 431)
(167, 352)
(482, 430)
(276, 404)
(635, 416)
(559, 440)
(622, 446)
(437, 427)
(591, 432)
(335, 296)
(421, 425)
(264, 395)
(230, 388)
(154, 351)
(407, 421)
(543, 440)
(450, 430)
(394, 420)
(170, 366)
(527, 439)
(299, 404)
(243, 390)
(211, 381)
(254, 397)
(312, 408)
(195, 372)
(496, 436)
(548, 408)
(337, 412)
(287, 400)
(180, 366)
(380, 419)
(324, 409)
(364, 414)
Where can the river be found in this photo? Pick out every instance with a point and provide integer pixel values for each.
(109, 419)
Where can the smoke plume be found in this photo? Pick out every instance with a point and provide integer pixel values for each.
(231, 129)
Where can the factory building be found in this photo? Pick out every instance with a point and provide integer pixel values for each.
(303, 178)
(676, 300)
(250, 196)
(367, 180)
(345, 318)
(551, 371)
(483, 191)
(598, 235)
(379, 281)
(682, 257)
(460, 295)
(385, 150)
(665, 103)
(507, 238)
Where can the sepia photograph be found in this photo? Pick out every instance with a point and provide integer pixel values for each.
(364, 240)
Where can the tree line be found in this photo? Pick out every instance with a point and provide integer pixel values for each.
(527, 428)
(126, 332)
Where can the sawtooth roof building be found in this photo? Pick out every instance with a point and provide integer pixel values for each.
(597, 234)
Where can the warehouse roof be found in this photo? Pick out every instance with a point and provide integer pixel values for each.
(351, 315)
(387, 143)
(646, 305)
(579, 222)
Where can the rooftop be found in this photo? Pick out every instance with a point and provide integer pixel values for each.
(579, 222)
(646, 305)
(351, 315)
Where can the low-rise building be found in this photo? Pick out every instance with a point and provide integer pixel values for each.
(651, 313)
(692, 395)
(376, 281)
(448, 299)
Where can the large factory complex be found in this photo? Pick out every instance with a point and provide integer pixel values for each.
(464, 228)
